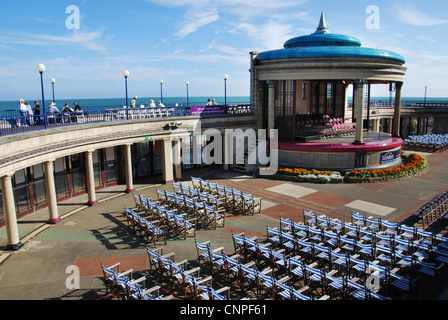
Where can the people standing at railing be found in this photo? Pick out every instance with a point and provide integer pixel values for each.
(214, 102)
(67, 109)
(52, 110)
(151, 104)
(77, 107)
(209, 102)
(29, 113)
(161, 105)
(36, 109)
(133, 102)
(23, 111)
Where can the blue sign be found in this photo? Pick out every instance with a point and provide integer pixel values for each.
(390, 156)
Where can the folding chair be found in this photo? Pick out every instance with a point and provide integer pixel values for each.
(287, 241)
(425, 237)
(340, 261)
(286, 225)
(202, 251)
(109, 275)
(352, 231)
(213, 217)
(331, 238)
(403, 284)
(390, 228)
(153, 233)
(357, 290)
(300, 230)
(220, 294)
(296, 268)
(309, 218)
(252, 204)
(322, 221)
(358, 219)
(407, 232)
(373, 224)
(273, 236)
(185, 227)
(315, 234)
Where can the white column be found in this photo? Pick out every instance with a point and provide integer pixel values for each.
(128, 169)
(178, 160)
(271, 106)
(167, 160)
(10, 214)
(90, 178)
(51, 193)
(359, 110)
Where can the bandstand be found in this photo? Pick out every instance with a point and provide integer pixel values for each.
(302, 91)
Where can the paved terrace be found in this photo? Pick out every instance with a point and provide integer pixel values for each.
(88, 236)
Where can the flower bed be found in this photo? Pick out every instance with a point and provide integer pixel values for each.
(413, 165)
(303, 175)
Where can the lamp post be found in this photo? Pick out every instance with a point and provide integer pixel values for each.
(126, 75)
(161, 91)
(188, 83)
(426, 89)
(225, 89)
(41, 68)
(53, 80)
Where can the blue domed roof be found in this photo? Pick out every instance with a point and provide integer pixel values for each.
(322, 39)
(323, 44)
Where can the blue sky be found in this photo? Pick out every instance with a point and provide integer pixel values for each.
(198, 41)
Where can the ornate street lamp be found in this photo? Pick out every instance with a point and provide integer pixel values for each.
(126, 75)
(53, 81)
(188, 83)
(41, 68)
(226, 77)
(161, 91)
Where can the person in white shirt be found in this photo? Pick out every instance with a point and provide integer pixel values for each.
(133, 102)
(152, 104)
(52, 108)
(161, 105)
(23, 111)
(29, 113)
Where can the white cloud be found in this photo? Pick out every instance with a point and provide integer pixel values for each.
(418, 18)
(269, 35)
(196, 19)
(89, 40)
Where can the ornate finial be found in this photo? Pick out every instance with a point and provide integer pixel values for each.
(322, 28)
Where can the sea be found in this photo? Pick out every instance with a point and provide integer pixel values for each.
(90, 104)
(99, 103)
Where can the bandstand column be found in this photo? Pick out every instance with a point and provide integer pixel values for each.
(397, 111)
(177, 160)
(271, 105)
(128, 168)
(167, 161)
(51, 192)
(10, 214)
(90, 178)
(359, 110)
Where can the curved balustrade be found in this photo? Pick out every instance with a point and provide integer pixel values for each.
(19, 124)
